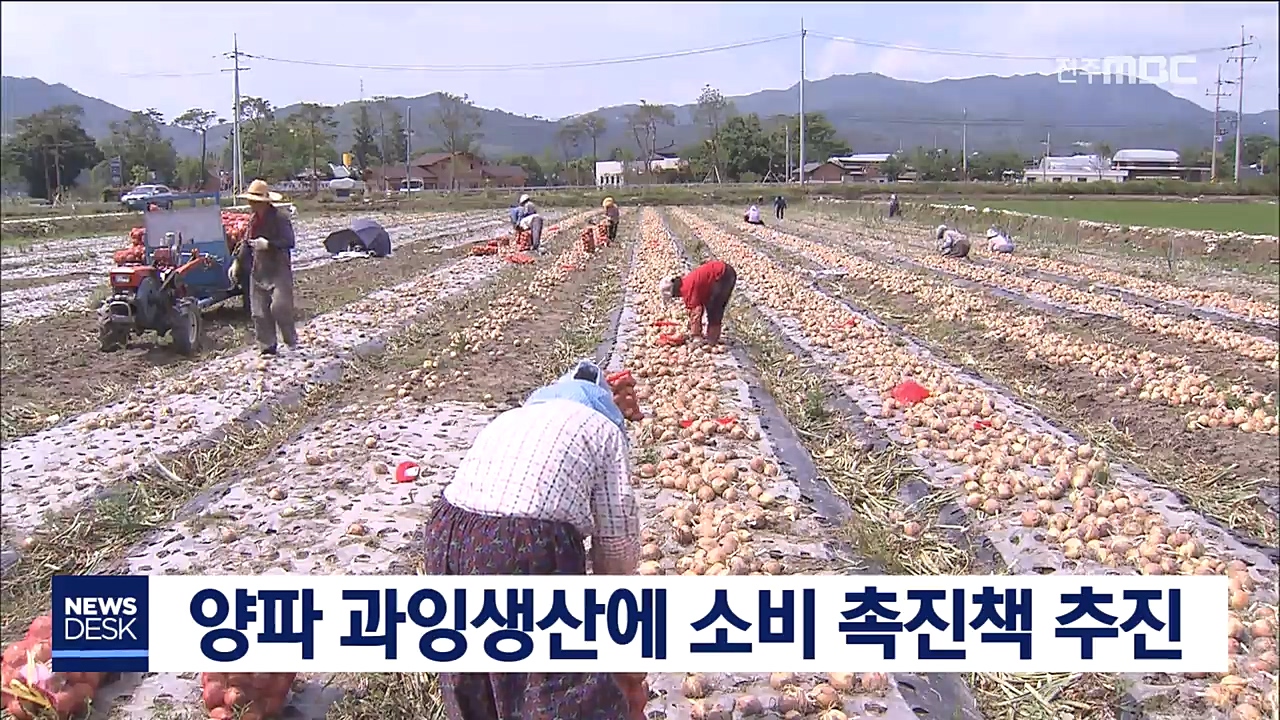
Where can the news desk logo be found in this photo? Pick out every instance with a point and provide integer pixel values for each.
(100, 623)
(1129, 70)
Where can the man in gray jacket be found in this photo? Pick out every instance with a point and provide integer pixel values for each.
(270, 289)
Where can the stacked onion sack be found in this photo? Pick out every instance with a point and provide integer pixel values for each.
(133, 254)
(587, 240)
(524, 240)
(235, 225)
(245, 696)
(30, 687)
(602, 232)
(486, 248)
(624, 394)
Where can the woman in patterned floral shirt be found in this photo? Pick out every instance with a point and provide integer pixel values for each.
(537, 481)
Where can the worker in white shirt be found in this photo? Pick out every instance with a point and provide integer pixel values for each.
(536, 482)
(999, 241)
(952, 243)
(753, 214)
(531, 221)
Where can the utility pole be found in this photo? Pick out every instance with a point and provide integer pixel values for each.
(787, 128)
(408, 152)
(1240, 99)
(802, 34)
(964, 143)
(57, 168)
(1044, 164)
(237, 145)
(1217, 94)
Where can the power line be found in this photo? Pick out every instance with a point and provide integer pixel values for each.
(534, 66)
(978, 54)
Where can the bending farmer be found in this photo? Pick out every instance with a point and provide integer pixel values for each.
(953, 244)
(999, 241)
(270, 288)
(894, 209)
(531, 221)
(707, 287)
(611, 214)
(536, 482)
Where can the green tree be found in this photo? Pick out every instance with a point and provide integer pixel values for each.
(711, 112)
(190, 174)
(199, 120)
(893, 168)
(745, 146)
(821, 140)
(1254, 150)
(138, 142)
(552, 168)
(1104, 152)
(645, 122)
(569, 136)
(456, 124)
(258, 132)
(50, 149)
(1271, 160)
(531, 166)
(314, 125)
(364, 141)
(391, 139)
(992, 166)
(595, 126)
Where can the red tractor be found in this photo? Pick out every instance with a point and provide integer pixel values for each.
(181, 271)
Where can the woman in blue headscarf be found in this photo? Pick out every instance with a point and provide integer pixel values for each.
(537, 481)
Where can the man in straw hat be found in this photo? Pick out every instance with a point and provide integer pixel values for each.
(270, 288)
(611, 213)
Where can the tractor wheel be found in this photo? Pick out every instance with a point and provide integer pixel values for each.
(187, 329)
(112, 337)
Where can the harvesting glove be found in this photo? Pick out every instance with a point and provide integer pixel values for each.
(233, 272)
(260, 243)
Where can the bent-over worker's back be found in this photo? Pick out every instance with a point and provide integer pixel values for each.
(558, 461)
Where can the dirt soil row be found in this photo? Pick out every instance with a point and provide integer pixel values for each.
(1090, 328)
(1153, 437)
(7, 284)
(53, 366)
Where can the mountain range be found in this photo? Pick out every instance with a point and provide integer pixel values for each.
(872, 112)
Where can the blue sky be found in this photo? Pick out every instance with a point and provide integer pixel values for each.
(114, 50)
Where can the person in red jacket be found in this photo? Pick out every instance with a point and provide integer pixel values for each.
(707, 289)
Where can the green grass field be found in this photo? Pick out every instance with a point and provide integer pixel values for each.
(1260, 218)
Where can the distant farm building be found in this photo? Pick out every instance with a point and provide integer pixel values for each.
(865, 167)
(432, 170)
(614, 173)
(1072, 169)
(1155, 165)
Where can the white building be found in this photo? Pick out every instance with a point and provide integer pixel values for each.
(1155, 165)
(612, 173)
(609, 173)
(1073, 169)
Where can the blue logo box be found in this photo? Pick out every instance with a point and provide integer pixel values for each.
(100, 623)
